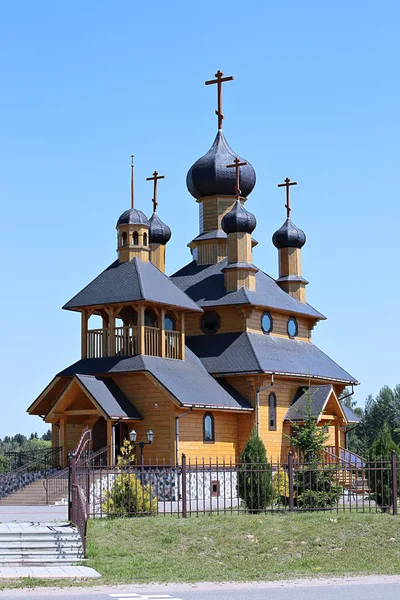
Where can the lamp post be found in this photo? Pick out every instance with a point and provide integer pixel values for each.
(141, 444)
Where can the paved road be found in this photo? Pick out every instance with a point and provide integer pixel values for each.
(387, 588)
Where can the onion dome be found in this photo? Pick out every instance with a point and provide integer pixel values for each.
(289, 236)
(239, 219)
(210, 177)
(159, 232)
(133, 216)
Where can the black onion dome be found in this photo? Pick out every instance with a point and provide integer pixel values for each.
(210, 177)
(159, 232)
(133, 216)
(238, 219)
(289, 236)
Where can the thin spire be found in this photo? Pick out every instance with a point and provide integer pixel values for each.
(155, 178)
(132, 182)
(287, 183)
(220, 79)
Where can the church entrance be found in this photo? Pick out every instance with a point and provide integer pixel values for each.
(99, 434)
(121, 434)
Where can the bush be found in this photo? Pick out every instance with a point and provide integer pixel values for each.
(381, 479)
(316, 486)
(127, 497)
(255, 488)
(280, 487)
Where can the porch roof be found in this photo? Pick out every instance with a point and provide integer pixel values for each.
(317, 396)
(109, 397)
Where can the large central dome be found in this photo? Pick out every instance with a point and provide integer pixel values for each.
(209, 175)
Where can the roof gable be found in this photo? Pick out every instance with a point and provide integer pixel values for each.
(316, 400)
(205, 285)
(131, 281)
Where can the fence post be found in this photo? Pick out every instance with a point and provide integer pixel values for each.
(184, 499)
(71, 482)
(394, 481)
(291, 492)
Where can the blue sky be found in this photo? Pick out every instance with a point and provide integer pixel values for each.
(86, 84)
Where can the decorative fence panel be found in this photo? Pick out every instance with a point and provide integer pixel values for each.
(198, 487)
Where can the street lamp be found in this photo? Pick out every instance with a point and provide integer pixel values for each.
(141, 444)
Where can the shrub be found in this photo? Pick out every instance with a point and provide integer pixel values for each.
(127, 497)
(280, 487)
(381, 480)
(255, 487)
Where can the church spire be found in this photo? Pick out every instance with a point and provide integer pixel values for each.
(159, 232)
(132, 182)
(220, 79)
(289, 240)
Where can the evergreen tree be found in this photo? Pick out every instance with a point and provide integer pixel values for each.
(381, 480)
(255, 478)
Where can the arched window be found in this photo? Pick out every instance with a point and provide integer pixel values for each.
(124, 238)
(272, 412)
(135, 238)
(145, 239)
(169, 322)
(208, 428)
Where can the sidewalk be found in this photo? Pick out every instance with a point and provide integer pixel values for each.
(24, 514)
(74, 572)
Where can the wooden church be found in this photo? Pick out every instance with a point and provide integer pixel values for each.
(200, 357)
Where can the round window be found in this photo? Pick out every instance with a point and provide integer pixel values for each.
(292, 327)
(266, 322)
(210, 322)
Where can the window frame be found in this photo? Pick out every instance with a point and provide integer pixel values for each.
(266, 312)
(292, 319)
(272, 396)
(204, 316)
(205, 416)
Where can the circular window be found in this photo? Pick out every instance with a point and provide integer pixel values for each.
(292, 327)
(266, 322)
(210, 322)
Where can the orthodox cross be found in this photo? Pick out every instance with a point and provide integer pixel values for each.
(287, 185)
(236, 165)
(155, 178)
(132, 183)
(220, 79)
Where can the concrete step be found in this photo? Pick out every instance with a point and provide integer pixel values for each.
(37, 562)
(39, 545)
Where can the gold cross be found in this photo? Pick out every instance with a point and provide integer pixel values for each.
(287, 185)
(220, 79)
(236, 165)
(155, 178)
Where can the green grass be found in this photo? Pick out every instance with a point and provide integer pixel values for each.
(238, 548)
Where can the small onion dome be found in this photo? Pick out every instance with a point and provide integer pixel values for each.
(239, 219)
(210, 177)
(133, 217)
(289, 236)
(159, 232)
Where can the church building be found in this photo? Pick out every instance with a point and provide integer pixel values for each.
(198, 358)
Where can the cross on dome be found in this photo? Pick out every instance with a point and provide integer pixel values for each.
(220, 79)
(236, 165)
(287, 183)
(155, 178)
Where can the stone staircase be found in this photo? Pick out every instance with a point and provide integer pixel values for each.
(29, 544)
(33, 494)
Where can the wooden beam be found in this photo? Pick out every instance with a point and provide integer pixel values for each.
(84, 328)
(141, 328)
(161, 319)
(87, 411)
(112, 331)
(110, 441)
(182, 328)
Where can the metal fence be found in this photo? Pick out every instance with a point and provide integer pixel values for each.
(198, 487)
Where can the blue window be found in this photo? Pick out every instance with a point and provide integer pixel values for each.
(266, 322)
(292, 327)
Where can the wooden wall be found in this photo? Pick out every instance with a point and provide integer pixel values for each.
(279, 324)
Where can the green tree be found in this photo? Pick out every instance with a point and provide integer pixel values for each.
(315, 483)
(381, 480)
(255, 480)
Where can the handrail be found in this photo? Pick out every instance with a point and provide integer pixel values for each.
(342, 458)
(43, 455)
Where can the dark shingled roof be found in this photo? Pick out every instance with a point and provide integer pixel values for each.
(159, 232)
(209, 175)
(350, 415)
(238, 220)
(229, 353)
(188, 380)
(133, 216)
(319, 397)
(130, 282)
(205, 285)
(109, 397)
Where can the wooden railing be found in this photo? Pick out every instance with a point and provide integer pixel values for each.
(151, 341)
(98, 343)
(127, 342)
(172, 344)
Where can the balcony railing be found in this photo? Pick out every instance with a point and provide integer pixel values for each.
(127, 342)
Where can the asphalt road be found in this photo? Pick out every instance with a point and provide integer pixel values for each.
(387, 588)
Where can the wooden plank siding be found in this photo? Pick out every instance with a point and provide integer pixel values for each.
(279, 324)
